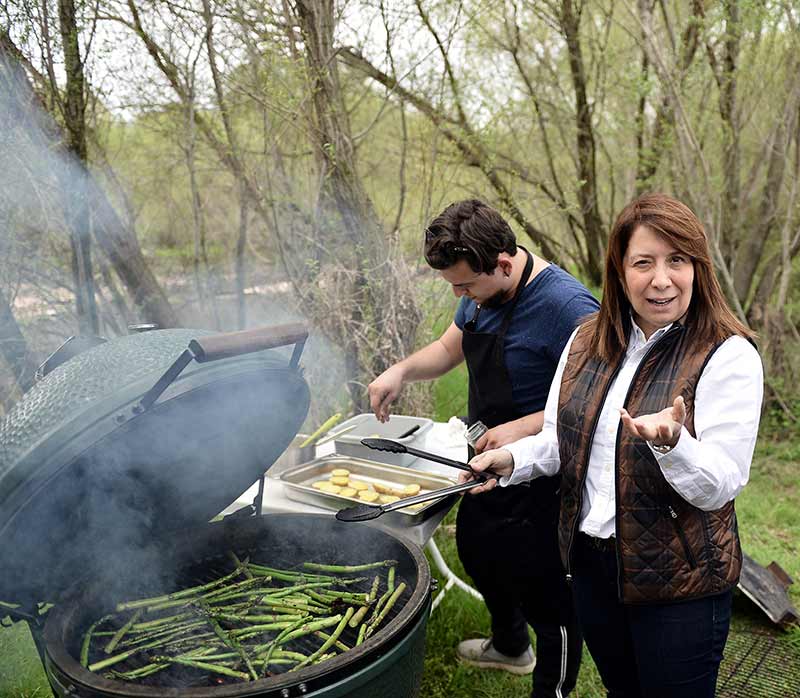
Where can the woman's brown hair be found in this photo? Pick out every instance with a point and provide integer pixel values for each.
(709, 318)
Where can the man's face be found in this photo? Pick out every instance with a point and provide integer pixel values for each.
(485, 289)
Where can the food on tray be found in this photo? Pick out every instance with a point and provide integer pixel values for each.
(340, 480)
(348, 492)
(368, 495)
(326, 486)
(412, 489)
(358, 485)
(388, 498)
(381, 488)
(340, 472)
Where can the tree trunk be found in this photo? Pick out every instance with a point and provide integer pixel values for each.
(14, 348)
(241, 270)
(378, 318)
(116, 239)
(75, 192)
(587, 185)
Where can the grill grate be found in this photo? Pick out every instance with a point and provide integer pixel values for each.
(209, 568)
(759, 664)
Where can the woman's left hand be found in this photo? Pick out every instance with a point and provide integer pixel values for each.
(662, 428)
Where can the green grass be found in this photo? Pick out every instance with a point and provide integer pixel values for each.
(769, 519)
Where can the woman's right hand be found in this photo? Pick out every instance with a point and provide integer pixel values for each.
(497, 461)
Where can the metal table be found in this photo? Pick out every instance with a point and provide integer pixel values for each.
(436, 440)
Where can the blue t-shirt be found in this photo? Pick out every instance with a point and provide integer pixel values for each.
(550, 308)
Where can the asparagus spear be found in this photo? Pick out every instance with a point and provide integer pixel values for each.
(207, 666)
(182, 594)
(87, 640)
(392, 600)
(371, 597)
(348, 568)
(338, 643)
(259, 629)
(358, 616)
(228, 639)
(274, 644)
(236, 561)
(114, 641)
(329, 642)
(160, 621)
(373, 592)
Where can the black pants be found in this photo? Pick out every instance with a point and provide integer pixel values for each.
(513, 559)
(654, 651)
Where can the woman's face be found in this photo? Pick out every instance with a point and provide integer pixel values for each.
(657, 279)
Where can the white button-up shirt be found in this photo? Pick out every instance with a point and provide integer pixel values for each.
(707, 470)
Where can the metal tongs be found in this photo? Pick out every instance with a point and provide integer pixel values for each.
(367, 512)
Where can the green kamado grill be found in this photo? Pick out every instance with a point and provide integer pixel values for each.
(110, 469)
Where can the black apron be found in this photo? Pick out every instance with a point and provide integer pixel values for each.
(506, 538)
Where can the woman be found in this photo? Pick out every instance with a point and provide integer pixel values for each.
(651, 419)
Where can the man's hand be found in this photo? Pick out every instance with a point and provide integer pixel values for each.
(384, 390)
(662, 428)
(499, 462)
(509, 432)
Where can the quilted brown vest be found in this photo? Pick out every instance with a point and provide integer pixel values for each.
(667, 549)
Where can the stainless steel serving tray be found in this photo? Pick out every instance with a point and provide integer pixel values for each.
(298, 480)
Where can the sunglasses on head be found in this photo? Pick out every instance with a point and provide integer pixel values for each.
(432, 234)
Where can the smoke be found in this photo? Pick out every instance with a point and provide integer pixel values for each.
(38, 179)
(121, 493)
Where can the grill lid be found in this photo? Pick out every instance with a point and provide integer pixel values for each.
(136, 437)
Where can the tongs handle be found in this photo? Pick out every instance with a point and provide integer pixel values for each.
(393, 446)
(439, 459)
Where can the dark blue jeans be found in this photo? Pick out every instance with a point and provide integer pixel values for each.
(654, 651)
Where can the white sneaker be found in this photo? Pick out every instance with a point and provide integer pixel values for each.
(480, 652)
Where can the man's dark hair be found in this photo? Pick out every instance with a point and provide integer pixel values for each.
(469, 230)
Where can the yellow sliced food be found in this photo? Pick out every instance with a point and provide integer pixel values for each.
(411, 490)
(319, 484)
(388, 498)
(368, 495)
(340, 472)
(383, 489)
(348, 492)
(330, 487)
(358, 485)
(340, 480)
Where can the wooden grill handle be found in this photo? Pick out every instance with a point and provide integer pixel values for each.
(223, 346)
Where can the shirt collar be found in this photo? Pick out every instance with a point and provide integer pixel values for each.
(636, 339)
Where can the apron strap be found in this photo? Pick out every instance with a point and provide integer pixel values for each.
(526, 274)
(501, 334)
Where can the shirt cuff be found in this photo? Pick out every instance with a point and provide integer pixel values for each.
(679, 456)
(522, 469)
(679, 467)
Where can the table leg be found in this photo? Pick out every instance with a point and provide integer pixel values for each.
(449, 575)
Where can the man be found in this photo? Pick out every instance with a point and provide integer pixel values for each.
(516, 314)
